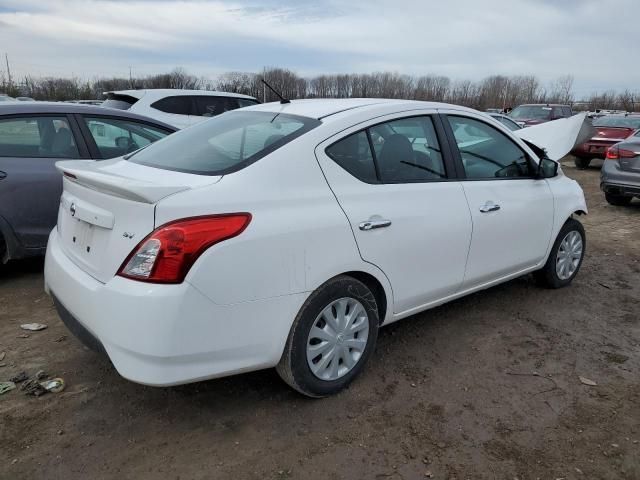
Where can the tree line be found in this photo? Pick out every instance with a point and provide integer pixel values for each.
(495, 91)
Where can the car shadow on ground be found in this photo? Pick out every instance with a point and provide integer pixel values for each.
(17, 269)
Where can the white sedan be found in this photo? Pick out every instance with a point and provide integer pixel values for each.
(286, 235)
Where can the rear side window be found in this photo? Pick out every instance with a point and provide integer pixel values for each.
(209, 106)
(566, 111)
(486, 152)
(354, 155)
(404, 151)
(116, 137)
(179, 105)
(246, 102)
(119, 102)
(37, 137)
(224, 144)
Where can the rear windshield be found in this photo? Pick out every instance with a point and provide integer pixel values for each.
(120, 102)
(224, 144)
(531, 112)
(628, 122)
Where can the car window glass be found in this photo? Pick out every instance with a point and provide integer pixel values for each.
(225, 143)
(510, 124)
(354, 155)
(246, 102)
(407, 150)
(566, 111)
(116, 137)
(178, 105)
(486, 152)
(37, 137)
(209, 106)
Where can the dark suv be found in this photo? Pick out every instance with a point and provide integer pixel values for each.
(536, 113)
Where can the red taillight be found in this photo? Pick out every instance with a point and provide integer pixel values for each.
(615, 153)
(167, 254)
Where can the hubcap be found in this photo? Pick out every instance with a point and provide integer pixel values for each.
(337, 339)
(569, 255)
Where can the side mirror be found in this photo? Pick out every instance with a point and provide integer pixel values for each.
(547, 168)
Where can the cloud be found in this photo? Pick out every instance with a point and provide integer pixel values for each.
(460, 38)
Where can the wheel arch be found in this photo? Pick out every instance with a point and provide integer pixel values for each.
(376, 288)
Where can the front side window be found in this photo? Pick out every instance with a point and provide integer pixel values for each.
(37, 137)
(116, 137)
(566, 111)
(487, 153)
(224, 144)
(180, 105)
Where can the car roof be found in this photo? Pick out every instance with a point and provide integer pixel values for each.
(174, 92)
(544, 105)
(321, 108)
(35, 108)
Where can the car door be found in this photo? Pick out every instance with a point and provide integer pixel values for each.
(409, 217)
(512, 211)
(110, 137)
(30, 185)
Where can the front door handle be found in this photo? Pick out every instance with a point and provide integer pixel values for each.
(489, 207)
(3, 175)
(371, 224)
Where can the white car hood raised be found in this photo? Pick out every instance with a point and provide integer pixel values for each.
(558, 137)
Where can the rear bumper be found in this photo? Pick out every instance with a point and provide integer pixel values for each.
(165, 335)
(616, 181)
(591, 150)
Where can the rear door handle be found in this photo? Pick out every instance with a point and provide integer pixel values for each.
(3, 175)
(371, 224)
(489, 207)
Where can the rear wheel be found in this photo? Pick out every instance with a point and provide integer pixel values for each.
(565, 257)
(617, 200)
(582, 163)
(331, 338)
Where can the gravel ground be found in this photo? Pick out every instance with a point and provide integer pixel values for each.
(484, 387)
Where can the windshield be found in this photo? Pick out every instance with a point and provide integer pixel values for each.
(530, 112)
(611, 121)
(224, 144)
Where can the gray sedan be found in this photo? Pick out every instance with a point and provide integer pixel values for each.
(33, 137)
(620, 174)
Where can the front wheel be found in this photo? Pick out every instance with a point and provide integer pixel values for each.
(331, 338)
(565, 257)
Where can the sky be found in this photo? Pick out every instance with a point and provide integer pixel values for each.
(593, 40)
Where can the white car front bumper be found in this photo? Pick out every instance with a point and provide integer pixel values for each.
(165, 335)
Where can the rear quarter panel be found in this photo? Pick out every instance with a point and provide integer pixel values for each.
(298, 237)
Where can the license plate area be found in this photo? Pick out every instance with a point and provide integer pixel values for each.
(82, 236)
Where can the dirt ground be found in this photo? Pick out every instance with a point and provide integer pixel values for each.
(484, 387)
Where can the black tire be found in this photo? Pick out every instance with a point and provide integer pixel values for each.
(582, 163)
(548, 276)
(617, 200)
(293, 366)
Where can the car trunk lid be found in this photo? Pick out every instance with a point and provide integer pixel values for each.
(108, 207)
(611, 134)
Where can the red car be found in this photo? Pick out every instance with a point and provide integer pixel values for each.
(610, 130)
